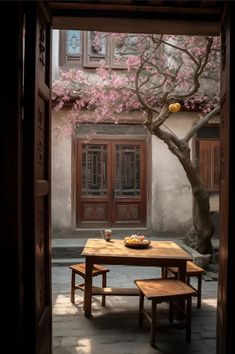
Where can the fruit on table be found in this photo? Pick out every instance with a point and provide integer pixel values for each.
(135, 239)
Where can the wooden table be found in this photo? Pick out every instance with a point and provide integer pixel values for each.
(159, 253)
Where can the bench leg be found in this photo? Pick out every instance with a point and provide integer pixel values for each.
(171, 310)
(199, 291)
(141, 307)
(153, 323)
(72, 287)
(103, 286)
(188, 318)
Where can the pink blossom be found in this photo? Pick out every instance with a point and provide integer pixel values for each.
(106, 93)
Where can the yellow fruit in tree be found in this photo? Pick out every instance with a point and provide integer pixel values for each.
(174, 107)
(178, 106)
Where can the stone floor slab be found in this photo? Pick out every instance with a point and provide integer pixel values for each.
(114, 329)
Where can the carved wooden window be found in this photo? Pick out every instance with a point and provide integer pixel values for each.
(70, 47)
(209, 163)
(103, 46)
(94, 48)
(127, 170)
(120, 49)
(94, 170)
(88, 48)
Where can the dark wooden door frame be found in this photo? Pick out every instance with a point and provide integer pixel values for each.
(11, 228)
(226, 292)
(12, 142)
(36, 184)
(26, 271)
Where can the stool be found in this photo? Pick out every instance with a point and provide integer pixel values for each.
(169, 290)
(79, 269)
(192, 270)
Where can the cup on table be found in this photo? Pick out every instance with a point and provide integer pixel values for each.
(107, 234)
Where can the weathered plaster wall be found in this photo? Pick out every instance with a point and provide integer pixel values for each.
(61, 176)
(171, 193)
(169, 204)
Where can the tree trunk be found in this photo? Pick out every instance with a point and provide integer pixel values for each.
(200, 237)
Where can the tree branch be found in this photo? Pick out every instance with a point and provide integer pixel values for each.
(201, 123)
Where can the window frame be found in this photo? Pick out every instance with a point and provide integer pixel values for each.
(211, 184)
(111, 57)
(84, 61)
(64, 59)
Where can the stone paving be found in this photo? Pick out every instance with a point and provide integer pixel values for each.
(114, 329)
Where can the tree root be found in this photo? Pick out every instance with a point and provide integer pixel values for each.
(195, 240)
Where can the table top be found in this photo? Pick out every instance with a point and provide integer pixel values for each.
(116, 248)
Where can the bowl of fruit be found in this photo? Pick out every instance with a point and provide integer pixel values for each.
(136, 241)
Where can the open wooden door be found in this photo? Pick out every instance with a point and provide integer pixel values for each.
(36, 181)
(226, 292)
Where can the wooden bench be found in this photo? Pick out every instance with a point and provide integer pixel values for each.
(192, 270)
(115, 291)
(79, 269)
(161, 290)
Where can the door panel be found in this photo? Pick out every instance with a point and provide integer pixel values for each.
(93, 184)
(226, 293)
(128, 204)
(36, 188)
(111, 183)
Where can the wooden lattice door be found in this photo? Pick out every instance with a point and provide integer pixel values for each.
(111, 183)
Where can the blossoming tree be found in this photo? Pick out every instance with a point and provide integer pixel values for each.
(163, 75)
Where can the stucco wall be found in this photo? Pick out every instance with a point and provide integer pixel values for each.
(61, 176)
(171, 193)
(169, 202)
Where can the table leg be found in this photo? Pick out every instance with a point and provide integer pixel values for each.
(182, 277)
(88, 288)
